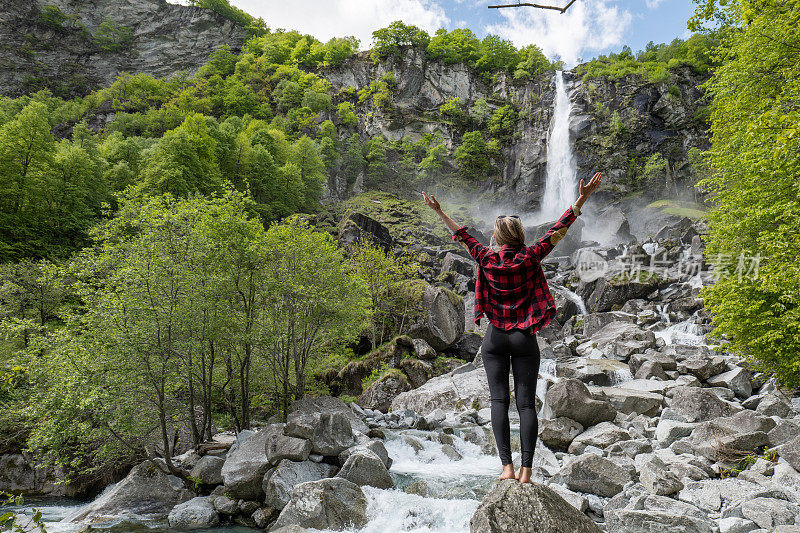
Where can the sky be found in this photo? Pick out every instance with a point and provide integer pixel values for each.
(589, 28)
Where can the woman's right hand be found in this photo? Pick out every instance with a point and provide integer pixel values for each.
(431, 201)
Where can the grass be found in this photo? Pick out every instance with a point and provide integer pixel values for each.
(682, 209)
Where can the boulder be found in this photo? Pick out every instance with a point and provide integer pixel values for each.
(147, 491)
(455, 263)
(466, 347)
(593, 474)
(557, 434)
(572, 399)
(774, 404)
(769, 513)
(208, 470)
(667, 361)
(512, 507)
(454, 391)
(651, 369)
(790, 451)
(657, 514)
(331, 503)
(738, 380)
(381, 392)
(278, 482)
(594, 322)
(246, 464)
(610, 292)
(698, 404)
(443, 321)
(365, 467)
(658, 479)
(329, 432)
(423, 349)
(280, 447)
(702, 367)
(783, 432)
(619, 340)
(417, 371)
(602, 435)
(197, 513)
(593, 371)
(628, 401)
(328, 404)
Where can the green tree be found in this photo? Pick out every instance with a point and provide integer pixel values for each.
(473, 162)
(755, 171)
(392, 39)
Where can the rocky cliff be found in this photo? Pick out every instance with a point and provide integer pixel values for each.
(74, 46)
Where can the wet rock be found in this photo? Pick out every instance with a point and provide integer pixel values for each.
(466, 347)
(593, 474)
(365, 467)
(147, 491)
(329, 433)
(557, 434)
(331, 503)
(197, 513)
(381, 392)
(512, 507)
(572, 399)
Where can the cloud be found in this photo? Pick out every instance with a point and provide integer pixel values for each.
(339, 18)
(652, 4)
(589, 25)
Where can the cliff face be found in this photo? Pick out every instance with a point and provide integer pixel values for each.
(74, 46)
(616, 125)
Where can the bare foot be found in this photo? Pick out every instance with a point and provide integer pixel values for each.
(524, 475)
(508, 472)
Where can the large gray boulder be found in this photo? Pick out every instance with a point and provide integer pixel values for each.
(328, 404)
(592, 371)
(365, 467)
(443, 321)
(619, 340)
(657, 514)
(146, 492)
(615, 291)
(558, 433)
(737, 379)
(629, 401)
(329, 433)
(278, 481)
(791, 452)
(593, 474)
(454, 391)
(698, 404)
(601, 435)
(572, 399)
(657, 478)
(280, 447)
(331, 503)
(208, 470)
(245, 466)
(513, 507)
(197, 513)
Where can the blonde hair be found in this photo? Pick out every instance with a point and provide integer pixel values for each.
(508, 230)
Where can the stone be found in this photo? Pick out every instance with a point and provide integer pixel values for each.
(197, 513)
(331, 503)
(616, 291)
(557, 434)
(147, 491)
(657, 479)
(225, 505)
(768, 513)
(572, 399)
(783, 432)
(280, 447)
(698, 404)
(665, 360)
(381, 392)
(593, 474)
(774, 404)
(628, 401)
(417, 371)
(668, 431)
(734, 524)
(592, 371)
(601, 435)
(245, 466)
(278, 482)
(651, 369)
(423, 349)
(513, 507)
(328, 404)
(443, 321)
(208, 470)
(790, 451)
(449, 392)
(737, 380)
(329, 433)
(657, 514)
(455, 263)
(365, 467)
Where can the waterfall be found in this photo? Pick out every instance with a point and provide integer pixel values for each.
(560, 189)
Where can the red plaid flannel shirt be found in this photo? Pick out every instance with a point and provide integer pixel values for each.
(511, 290)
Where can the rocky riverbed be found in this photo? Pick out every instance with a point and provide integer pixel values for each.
(644, 427)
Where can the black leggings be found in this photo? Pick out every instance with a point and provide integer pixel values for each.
(519, 350)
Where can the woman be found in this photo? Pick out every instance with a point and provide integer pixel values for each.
(511, 291)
